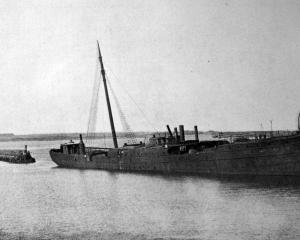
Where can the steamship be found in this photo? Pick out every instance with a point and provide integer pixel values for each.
(172, 153)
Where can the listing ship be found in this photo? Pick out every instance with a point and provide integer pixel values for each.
(172, 153)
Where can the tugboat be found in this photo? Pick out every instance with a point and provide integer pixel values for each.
(16, 156)
(173, 154)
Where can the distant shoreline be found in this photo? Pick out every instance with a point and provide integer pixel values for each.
(75, 136)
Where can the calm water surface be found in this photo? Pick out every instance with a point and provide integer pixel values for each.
(41, 201)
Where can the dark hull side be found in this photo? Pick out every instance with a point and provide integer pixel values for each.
(16, 156)
(275, 156)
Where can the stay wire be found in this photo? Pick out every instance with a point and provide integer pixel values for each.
(94, 107)
(126, 127)
(144, 115)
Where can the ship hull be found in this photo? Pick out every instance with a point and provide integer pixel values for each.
(16, 156)
(277, 157)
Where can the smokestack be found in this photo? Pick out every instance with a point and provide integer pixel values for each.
(181, 130)
(176, 133)
(81, 145)
(169, 130)
(196, 133)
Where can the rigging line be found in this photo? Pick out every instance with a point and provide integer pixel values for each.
(144, 115)
(126, 127)
(93, 114)
(94, 106)
(103, 120)
(104, 139)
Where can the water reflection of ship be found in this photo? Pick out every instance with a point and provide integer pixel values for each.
(172, 153)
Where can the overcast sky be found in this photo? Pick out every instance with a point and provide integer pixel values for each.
(223, 65)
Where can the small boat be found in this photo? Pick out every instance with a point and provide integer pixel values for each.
(172, 153)
(16, 156)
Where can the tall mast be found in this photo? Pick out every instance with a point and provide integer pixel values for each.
(113, 132)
